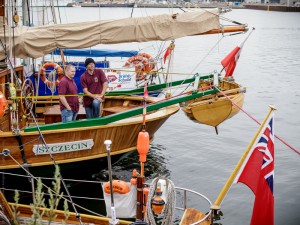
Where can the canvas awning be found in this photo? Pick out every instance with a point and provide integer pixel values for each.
(34, 42)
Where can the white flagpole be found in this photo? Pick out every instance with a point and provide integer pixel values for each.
(242, 44)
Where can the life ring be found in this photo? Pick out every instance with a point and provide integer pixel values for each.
(143, 63)
(59, 70)
(150, 62)
(3, 104)
(119, 186)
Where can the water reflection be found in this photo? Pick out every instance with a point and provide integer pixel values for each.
(154, 166)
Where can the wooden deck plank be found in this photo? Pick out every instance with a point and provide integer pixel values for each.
(192, 215)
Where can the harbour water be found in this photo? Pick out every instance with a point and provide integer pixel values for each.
(192, 155)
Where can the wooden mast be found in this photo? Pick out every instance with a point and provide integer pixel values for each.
(231, 29)
(2, 7)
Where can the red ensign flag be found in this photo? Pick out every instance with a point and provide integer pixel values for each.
(229, 62)
(258, 174)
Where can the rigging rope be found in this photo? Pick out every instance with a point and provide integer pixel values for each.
(36, 178)
(170, 203)
(69, 199)
(40, 133)
(52, 79)
(255, 120)
(193, 71)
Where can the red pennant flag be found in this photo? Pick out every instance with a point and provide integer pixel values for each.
(146, 94)
(258, 174)
(229, 62)
(167, 53)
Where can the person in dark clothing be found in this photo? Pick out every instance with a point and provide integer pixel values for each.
(94, 85)
(68, 99)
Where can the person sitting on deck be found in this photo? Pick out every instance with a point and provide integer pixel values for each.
(68, 99)
(94, 85)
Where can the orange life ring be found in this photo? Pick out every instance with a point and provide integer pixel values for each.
(59, 70)
(150, 62)
(143, 63)
(3, 104)
(119, 186)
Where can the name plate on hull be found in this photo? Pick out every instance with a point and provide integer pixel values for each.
(63, 147)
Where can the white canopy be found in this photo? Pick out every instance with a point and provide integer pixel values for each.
(38, 41)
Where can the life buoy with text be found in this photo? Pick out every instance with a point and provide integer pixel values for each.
(143, 64)
(119, 186)
(57, 67)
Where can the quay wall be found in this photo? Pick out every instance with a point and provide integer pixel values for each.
(280, 8)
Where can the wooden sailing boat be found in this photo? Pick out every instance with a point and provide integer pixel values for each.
(81, 140)
(75, 142)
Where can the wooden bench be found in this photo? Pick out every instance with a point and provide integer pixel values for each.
(117, 109)
(53, 114)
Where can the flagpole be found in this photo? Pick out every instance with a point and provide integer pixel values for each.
(242, 44)
(230, 180)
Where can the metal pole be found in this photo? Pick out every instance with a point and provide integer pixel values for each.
(114, 219)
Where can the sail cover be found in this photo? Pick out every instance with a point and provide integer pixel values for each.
(34, 42)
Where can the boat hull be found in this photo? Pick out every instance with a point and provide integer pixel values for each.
(78, 144)
(215, 109)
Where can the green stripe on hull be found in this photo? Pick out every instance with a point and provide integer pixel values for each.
(119, 116)
(157, 86)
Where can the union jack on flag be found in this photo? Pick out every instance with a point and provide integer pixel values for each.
(266, 146)
(257, 173)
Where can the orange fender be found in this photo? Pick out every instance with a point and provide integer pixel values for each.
(59, 70)
(119, 186)
(143, 145)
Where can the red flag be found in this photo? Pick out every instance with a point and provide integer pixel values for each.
(258, 174)
(168, 51)
(146, 94)
(229, 62)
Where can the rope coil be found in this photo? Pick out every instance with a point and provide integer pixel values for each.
(170, 204)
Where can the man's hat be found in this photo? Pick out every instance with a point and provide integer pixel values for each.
(88, 61)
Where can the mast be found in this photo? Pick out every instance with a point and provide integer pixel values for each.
(2, 18)
(2, 8)
(25, 13)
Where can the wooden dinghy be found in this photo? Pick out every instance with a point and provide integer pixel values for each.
(216, 108)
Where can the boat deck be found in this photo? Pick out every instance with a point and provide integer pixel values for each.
(191, 216)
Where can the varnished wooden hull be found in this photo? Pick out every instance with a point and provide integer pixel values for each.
(214, 109)
(25, 214)
(123, 135)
